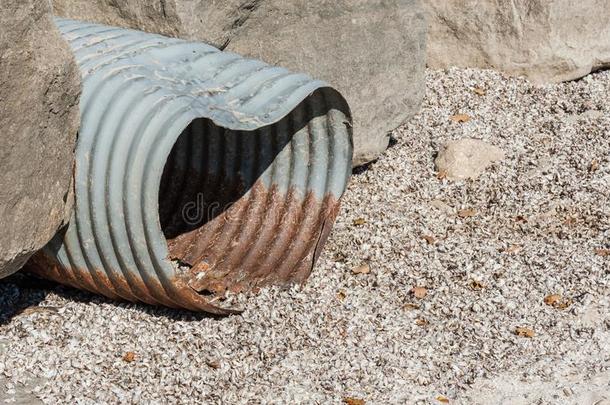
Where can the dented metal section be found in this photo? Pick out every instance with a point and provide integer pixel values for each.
(186, 154)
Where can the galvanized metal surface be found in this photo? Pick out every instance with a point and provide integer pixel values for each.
(187, 154)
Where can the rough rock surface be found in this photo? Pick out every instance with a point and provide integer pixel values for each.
(379, 71)
(544, 40)
(466, 158)
(39, 88)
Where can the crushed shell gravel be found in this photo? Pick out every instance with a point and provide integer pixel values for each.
(539, 218)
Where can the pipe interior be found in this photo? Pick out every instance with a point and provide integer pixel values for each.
(209, 169)
(227, 197)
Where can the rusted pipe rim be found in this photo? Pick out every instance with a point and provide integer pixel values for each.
(169, 125)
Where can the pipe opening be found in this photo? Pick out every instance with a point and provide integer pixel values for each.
(247, 208)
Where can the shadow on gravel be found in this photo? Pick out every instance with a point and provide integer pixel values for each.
(17, 295)
(22, 294)
(363, 169)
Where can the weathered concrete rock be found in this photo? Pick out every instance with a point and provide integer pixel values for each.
(373, 51)
(544, 40)
(466, 158)
(39, 88)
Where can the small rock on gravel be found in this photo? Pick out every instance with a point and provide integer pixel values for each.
(466, 158)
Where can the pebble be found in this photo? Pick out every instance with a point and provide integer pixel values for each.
(466, 158)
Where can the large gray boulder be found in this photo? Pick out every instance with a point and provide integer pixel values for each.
(544, 40)
(372, 51)
(39, 89)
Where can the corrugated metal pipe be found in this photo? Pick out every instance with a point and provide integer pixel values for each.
(197, 171)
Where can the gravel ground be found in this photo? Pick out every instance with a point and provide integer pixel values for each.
(538, 225)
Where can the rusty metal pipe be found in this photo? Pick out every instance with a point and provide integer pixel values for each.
(197, 171)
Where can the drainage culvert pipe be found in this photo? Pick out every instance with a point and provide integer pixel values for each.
(197, 171)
